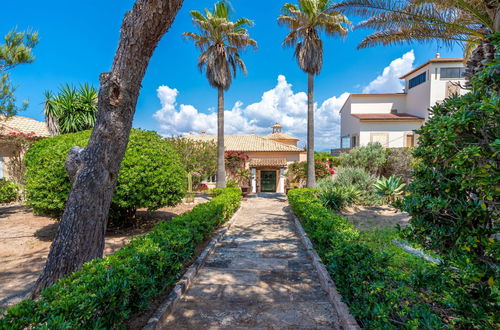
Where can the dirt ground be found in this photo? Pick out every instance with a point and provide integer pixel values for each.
(25, 241)
(368, 217)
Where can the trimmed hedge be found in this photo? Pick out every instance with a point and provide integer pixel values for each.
(151, 174)
(107, 291)
(379, 295)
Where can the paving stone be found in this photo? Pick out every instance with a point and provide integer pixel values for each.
(258, 277)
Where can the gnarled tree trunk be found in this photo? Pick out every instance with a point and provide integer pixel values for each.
(94, 169)
(311, 170)
(221, 171)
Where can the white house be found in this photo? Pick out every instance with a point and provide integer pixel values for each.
(391, 118)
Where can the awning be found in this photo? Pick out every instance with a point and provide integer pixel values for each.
(274, 162)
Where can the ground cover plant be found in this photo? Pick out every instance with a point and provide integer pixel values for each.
(106, 292)
(384, 286)
(151, 175)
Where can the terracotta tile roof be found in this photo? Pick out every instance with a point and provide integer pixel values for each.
(18, 124)
(247, 143)
(385, 116)
(279, 162)
(435, 60)
(279, 136)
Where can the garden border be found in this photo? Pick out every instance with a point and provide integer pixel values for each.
(183, 284)
(347, 321)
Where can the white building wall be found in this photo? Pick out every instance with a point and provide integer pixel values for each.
(396, 132)
(349, 125)
(418, 97)
(378, 104)
(439, 86)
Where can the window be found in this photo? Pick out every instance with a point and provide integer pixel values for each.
(420, 79)
(382, 138)
(353, 141)
(1, 167)
(452, 73)
(344, 142)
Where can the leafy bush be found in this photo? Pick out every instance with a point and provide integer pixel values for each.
(108, 291)
(372, 158)
(9, 192)
(376, 285)
(361, 181)
(390, 188)
(400, 162)
(453, 197)
(151, 174)
(297, 172)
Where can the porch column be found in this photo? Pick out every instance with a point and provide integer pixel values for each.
(254, 180)
(282, 181)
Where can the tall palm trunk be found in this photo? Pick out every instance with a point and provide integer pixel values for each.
(94, 169)
(221, 171)
(311, 171)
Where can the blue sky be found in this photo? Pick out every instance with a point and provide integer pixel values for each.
(78, 40)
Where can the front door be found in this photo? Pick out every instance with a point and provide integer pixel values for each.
(268, 181)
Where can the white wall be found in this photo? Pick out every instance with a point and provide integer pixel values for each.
(438, 85)
(348, 124)
(378, 104)
(397, 131)
(418, 97)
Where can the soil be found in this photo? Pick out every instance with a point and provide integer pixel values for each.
(368, 217)
(25, 241)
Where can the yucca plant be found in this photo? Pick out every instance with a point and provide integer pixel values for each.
(336, 198)
(220, 41)
(390, 187)
(306, 21)
(71, 110)
(467, 22)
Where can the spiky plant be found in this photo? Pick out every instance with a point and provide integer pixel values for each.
(467, 22)
(220, 41)
(306, 21)
(391, 188)
(71, 110)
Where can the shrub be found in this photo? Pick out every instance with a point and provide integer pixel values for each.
(453, 197)
(361, 181)
(106, 292)
(336, 197)
(399, 163)
(372, 158)
(297, 172)
(380, 293)
(9, 192)
(151, 174)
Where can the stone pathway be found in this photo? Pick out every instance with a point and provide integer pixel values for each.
(259, 276)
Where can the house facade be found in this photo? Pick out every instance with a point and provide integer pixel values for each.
(9, 128)
(268, 156)
(392, 118)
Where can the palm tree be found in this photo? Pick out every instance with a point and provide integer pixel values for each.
(220, 41)
(72, 110)
(468, 22)
(305, 22)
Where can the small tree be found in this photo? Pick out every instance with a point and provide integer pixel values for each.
(16, 50)
(71, 110)
(372, 158)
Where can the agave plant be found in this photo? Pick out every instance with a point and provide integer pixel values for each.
(390, 187)
(72, 110)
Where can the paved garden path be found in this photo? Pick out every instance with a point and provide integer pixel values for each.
(259, 276)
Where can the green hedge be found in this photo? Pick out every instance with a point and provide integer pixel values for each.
(379, 295)
(151, 174)
(107, 291)
(9, 192)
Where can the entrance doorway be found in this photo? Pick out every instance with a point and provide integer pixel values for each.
(268, 181)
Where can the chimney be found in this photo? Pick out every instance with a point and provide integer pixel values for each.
(438, 55)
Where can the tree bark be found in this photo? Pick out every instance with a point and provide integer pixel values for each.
(311, 171)
(94, 169)
(221, 171)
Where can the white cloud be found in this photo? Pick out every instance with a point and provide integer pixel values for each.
(279, 104)
(388, 81)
